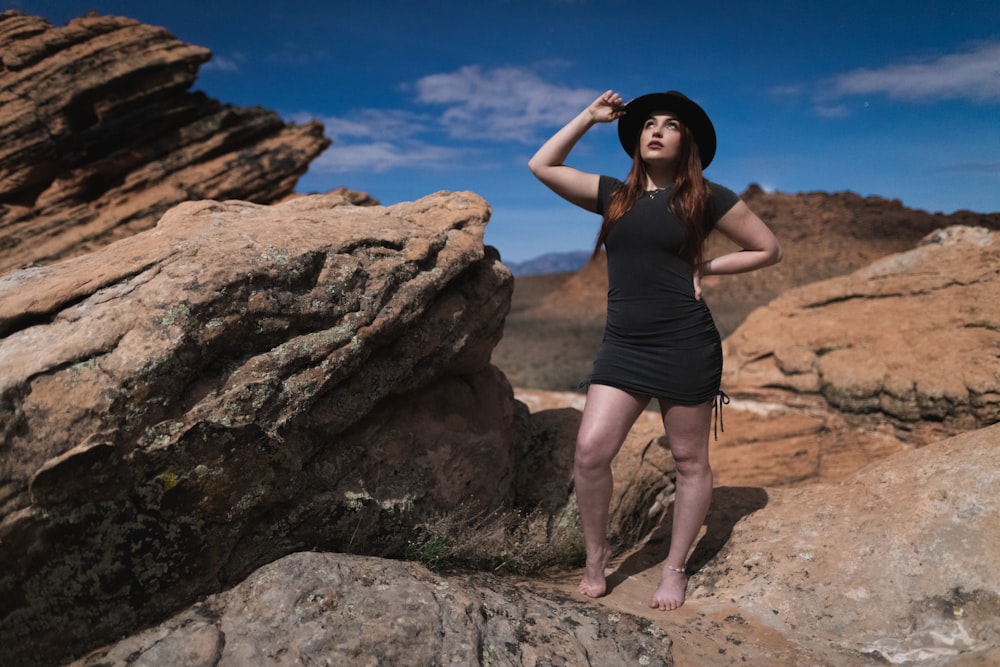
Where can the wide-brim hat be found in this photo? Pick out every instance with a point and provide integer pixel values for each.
(687, 111)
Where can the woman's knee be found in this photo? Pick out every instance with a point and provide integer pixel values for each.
(593, 451)
(691, 461)
(693, 469)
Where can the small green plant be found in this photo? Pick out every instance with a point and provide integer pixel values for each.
(429, 553)
(505, 540)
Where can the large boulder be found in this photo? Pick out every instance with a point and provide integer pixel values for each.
(240, 382)
(99, 136)
(899, 563)
(914, 338)
(333, 609)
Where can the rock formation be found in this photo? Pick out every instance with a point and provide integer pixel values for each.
(240, 382)
(913, 336)
(901, 561)
(99, 136)
(897, 564)
(332, 609)
(191, 402)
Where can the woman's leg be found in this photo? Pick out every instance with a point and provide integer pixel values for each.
(607, 417)
(687, 429)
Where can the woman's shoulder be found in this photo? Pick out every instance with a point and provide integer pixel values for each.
(719, 190)
(722, 199)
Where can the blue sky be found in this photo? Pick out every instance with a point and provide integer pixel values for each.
(899, 99)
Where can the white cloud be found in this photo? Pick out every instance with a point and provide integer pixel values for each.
(381, 156)
(977, 167)
(377, 140)
(387, 124)
(223, 63)
(973, 75)
(494, 106)
(833, 110)
(504, 104)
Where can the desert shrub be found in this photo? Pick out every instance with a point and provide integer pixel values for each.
(507, 541)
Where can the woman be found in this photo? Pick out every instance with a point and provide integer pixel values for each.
(660, 339)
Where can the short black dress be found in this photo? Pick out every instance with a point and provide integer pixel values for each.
(660, 341)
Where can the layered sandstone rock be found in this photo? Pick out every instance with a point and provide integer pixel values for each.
(913, 336)
(99, 136)
(237, 383)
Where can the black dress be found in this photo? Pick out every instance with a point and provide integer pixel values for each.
(660, 340)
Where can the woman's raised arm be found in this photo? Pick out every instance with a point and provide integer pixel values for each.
(573, 185)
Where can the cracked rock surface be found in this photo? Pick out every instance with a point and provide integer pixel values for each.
(237, 383)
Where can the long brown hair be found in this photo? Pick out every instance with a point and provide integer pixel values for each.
(689, 200)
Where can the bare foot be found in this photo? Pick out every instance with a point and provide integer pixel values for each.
(670, 595)
(594, 584)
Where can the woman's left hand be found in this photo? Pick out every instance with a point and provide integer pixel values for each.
(697, 284)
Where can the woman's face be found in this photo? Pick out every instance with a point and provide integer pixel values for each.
(660, 139)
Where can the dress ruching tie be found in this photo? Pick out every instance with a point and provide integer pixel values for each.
(722, 398)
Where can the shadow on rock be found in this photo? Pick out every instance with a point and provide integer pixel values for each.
(729, 505)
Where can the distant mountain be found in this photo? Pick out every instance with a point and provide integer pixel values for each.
(553, 262)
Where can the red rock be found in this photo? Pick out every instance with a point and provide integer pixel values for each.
(99, 136)
(912, 337)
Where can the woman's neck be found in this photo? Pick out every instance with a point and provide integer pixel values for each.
(658, 179)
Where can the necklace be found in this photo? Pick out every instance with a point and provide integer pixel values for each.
(652, 193)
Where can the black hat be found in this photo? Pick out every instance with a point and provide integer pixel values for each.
(692, 115)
